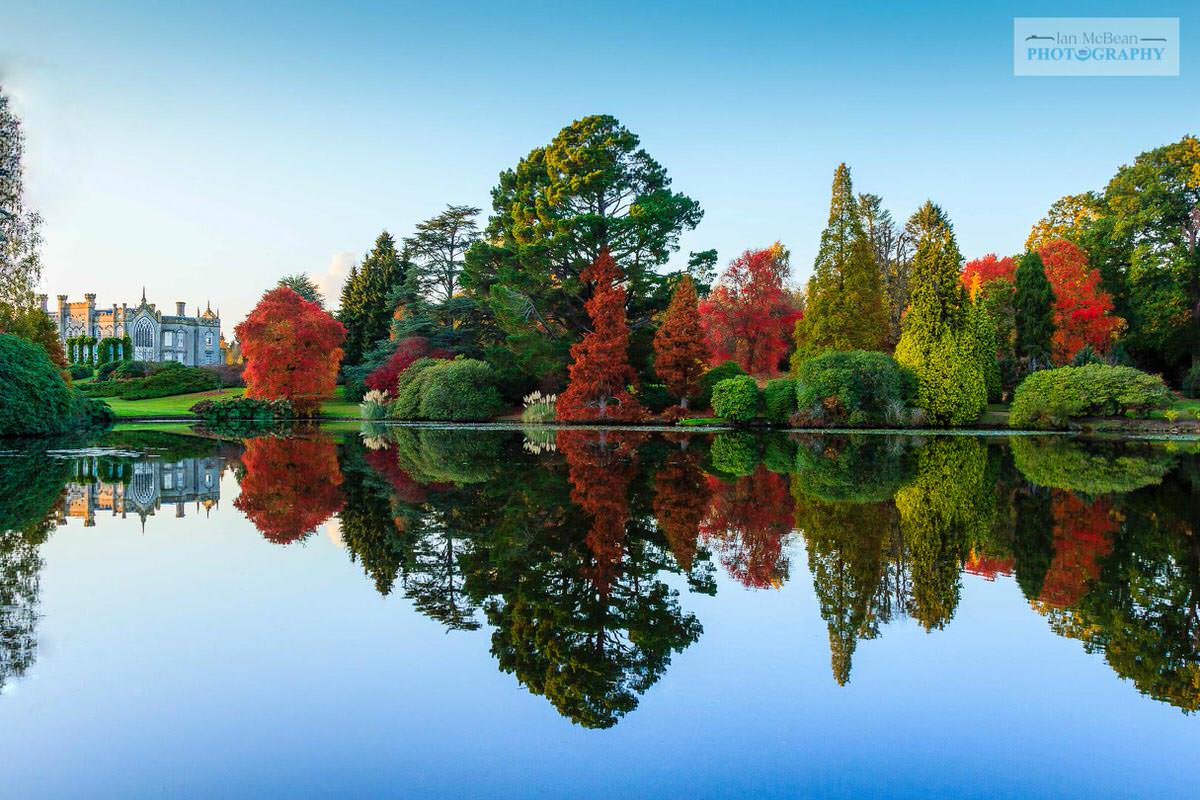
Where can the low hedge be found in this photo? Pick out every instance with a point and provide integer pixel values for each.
(80, 371)
(853, 388)
(737, 399)
(409, 387)
(243, 409)
(1051, 398)
(161, 380)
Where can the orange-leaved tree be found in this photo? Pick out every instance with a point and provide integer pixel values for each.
(1082, 309)
(680, 348)
(292, 349)
(988, 268)
(600, 374)
(748, 316)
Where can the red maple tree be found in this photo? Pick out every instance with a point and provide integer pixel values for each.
(748, 317)
(680, 348)
(291, 485)
(747, 523)
(600, 374)
(988, 268)
(292, 349)
(383, 378)
(1082, 309)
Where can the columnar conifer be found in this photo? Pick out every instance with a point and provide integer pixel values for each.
(680, 350)
(1034, 305)
(846, 309)
(600, 373)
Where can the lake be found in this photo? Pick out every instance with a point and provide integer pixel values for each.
(434, 612)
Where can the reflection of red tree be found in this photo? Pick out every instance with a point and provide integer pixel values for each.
(290, 487)
(747, 523)
(680, 500)
(407, 490)
(988, 567)
(1082, 537)
(601, 465)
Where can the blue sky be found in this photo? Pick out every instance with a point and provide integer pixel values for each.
(205, 149)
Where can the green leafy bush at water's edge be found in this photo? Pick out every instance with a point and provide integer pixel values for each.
(737, 399)
(1051, 398)
(779, 400)
(703, 399)
(854, 388)
(34, 398)
(460, 390)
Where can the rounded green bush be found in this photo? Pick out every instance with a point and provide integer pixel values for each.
(779, 399)
(80, 371)
(409, 387)
(655, 397)
(854, 387)
(34, 398)
(462, 389)
(729, 369)
(737, 399)
(1051, 398)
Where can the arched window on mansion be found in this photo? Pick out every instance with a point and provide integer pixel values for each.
(143, 340)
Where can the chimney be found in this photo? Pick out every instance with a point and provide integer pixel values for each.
(44, 299)
(179, 312)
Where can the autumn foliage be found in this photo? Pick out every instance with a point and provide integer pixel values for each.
(291, 486)
(746, 525)
(1083, 536)
(600, 374)
(1082, 309)
(988, 269)
(292, 349)
(601, 465)
(748, 317)
(680, 349)
(383, 378)
(681, 497)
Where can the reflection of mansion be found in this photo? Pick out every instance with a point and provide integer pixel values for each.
(193, 340)
(151, 485)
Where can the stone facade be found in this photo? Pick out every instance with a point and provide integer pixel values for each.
(192, 340)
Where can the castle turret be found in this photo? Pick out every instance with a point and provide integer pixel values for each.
(180, 308)
(64, 312)
(44, 302)
(89, 322)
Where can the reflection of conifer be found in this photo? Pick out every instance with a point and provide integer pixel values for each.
(680, 502)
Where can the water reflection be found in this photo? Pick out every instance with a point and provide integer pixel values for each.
(575, 549)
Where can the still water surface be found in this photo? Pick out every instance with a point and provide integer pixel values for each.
(467, 613)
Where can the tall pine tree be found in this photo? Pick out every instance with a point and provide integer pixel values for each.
(846, 309)
(1034, 306)
(367, 306)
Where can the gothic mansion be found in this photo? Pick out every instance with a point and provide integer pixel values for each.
(193, 340)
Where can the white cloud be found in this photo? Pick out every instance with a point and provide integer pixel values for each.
(330, 281)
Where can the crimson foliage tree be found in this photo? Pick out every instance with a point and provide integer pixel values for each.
(600, 374)
(292, 349)
(383, 378)
(680, 348)
(748, 316)
(1082, 309)
(291, 486)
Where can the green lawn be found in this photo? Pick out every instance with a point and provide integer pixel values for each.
(178, 405)
(1184, 410)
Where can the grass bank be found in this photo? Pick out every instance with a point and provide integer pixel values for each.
(178, 406)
